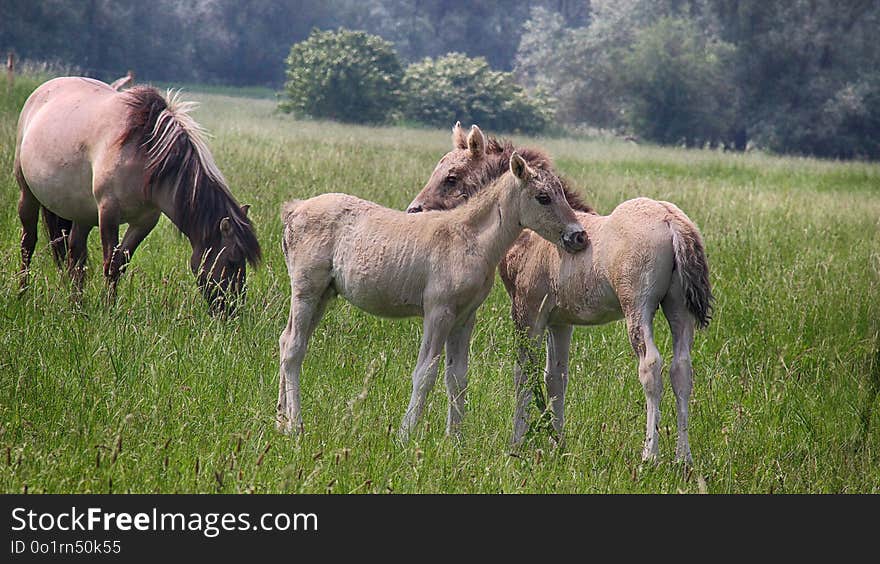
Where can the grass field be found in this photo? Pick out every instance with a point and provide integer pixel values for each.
(154, 395)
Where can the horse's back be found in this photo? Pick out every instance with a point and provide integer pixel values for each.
(64, 126)
(65, 104)
(375, 256)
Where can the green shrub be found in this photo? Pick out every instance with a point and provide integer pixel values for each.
(441, 91)
(840, 123)
(344, 75)
(677, 85)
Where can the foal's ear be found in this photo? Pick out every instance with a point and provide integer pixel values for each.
(225, 227)
(519, 167)
(459, 139)
(476, 143)
(245, 209)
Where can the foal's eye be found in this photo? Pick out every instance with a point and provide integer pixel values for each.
(450, 180)
(543, 199)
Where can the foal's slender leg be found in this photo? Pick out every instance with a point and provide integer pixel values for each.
(76, 256)
(28, 213)
(682, 325)
(556, 372)
(528, 335)
(639, 324)
(436, 327)
(306, 310)
(457, 345)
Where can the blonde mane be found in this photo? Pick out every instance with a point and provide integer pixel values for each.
(178, 157)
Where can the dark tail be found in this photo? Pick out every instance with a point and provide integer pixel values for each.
(692, 266)
(58, 229)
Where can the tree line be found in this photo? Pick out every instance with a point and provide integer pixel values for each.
(801, 76)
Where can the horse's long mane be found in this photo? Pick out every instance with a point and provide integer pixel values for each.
(499, 152)
(176, 154)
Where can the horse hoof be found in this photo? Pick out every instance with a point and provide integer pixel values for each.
(282, 425)
(684, 459)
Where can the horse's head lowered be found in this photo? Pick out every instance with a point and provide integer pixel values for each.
(198, 201)
(219, 261)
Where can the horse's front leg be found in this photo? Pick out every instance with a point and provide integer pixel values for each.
(528, 342)
(556, 373)
(108, 226)
(77, 255)
(121, 255)
(436, 328)
(457, 350)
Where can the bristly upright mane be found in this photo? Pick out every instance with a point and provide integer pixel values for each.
(176, 153)
(501, 151)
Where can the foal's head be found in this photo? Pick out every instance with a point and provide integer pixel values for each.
(543, 207)
(475, 162)
(472, 164)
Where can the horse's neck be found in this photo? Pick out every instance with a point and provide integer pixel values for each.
(493, 215)
(163, 196)
(592, 222)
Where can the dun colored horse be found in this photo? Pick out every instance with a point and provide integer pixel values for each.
(89, 156)
(440, 266)
(644, 255)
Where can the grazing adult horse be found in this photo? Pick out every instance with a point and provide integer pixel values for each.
(440, 266)
(644, 255)
(89, 156)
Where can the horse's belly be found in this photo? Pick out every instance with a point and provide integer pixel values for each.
(382, 303)
(59, 177)
(592, 306)
(64, 188)
(379, 293)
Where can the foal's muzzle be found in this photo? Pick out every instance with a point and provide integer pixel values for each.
(575, 241)
(415, 208)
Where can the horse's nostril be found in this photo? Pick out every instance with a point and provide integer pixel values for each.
(414, 209)
(576, 240)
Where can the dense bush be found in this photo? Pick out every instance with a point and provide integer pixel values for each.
(453, 88)
(677, 85)
(344, 75)
(841, 124)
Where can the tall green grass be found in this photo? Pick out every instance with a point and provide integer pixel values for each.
(154, 395)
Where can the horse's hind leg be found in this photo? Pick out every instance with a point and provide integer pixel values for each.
(681, 323)
(28, 213)
(306, 310)
(639, 324)
(556, 372)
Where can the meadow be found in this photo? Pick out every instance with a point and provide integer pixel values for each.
(154, 395)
